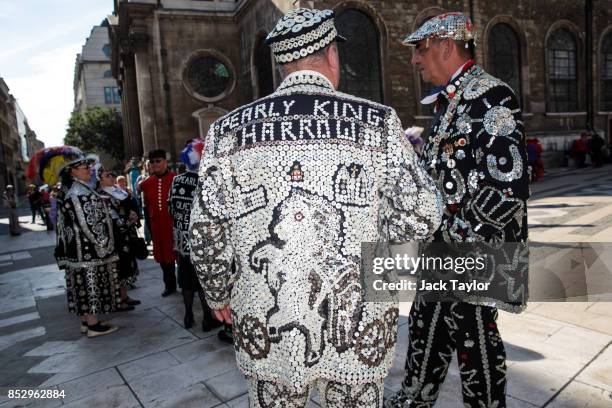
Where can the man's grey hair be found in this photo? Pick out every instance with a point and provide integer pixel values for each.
(313, 60)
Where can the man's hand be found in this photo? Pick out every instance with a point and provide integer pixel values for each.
(224, 315)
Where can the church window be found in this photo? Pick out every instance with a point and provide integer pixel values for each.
(504, 56)
(360, 56)
(562, 74)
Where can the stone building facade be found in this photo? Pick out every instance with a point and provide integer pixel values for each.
(12, 161)
(94, 84)
(181, 64)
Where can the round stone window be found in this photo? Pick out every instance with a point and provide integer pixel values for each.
(208, 76)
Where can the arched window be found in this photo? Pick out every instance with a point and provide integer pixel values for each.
(606, 73)
(263, 68)
(562, 77)
(505, 56)
(359, 56)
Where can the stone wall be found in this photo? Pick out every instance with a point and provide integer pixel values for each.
(169, 114)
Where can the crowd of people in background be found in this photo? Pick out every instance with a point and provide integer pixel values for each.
(98, 214)
(589, 144)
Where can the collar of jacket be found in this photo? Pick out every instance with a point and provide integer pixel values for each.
(458, 81)
(163, 175)
(306, 77)
(84, 187)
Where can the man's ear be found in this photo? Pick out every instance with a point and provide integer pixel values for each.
(447, 48)
(332, 57)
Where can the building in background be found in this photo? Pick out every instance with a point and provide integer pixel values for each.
(13, 157)
(183, 63)
(94, 84)
(33, 143)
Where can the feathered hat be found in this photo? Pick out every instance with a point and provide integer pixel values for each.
(48, 163)
(192, 153)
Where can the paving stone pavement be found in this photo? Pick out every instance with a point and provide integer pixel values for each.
(559, 354)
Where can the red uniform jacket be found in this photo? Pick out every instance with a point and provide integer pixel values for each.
(155, 192)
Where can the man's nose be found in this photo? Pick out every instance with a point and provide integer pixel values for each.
(414, 60)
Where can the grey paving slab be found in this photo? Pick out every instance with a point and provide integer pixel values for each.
(396, 373)
(19, 319)
(198, 348)
(40, 282)
(28, 240)
(579, 343)
(552, 363)
(564, 360)
(192, 396)
(450, 392)
(599, 372)
(9, 340)
(579, 395)
(603, 308)
(229, 385)
(534, 343)
(76, 362)
(140, 342)
(240, 402)
(535, 387)
(530, 326)
(512, 402)
(88, 385)
(113, 397)
(15, 296)
(136, 339)
(147, 365)
(17, 256)
(50, 348)
(175, 379)
(59, 378)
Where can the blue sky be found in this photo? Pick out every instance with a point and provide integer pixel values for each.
(39, 41)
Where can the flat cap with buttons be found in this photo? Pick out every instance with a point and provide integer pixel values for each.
(302, 32)
(456, 26)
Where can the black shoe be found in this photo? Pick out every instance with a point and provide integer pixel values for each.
(100, 329)
(226, 336)
(208, 325)
(188, 320)
(168, 292)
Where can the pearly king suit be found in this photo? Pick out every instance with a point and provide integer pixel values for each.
(476, 153)
(290, 186)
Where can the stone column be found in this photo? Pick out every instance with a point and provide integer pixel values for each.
(131, 112)
(146, 99)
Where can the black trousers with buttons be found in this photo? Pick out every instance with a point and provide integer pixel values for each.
(436, 332)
